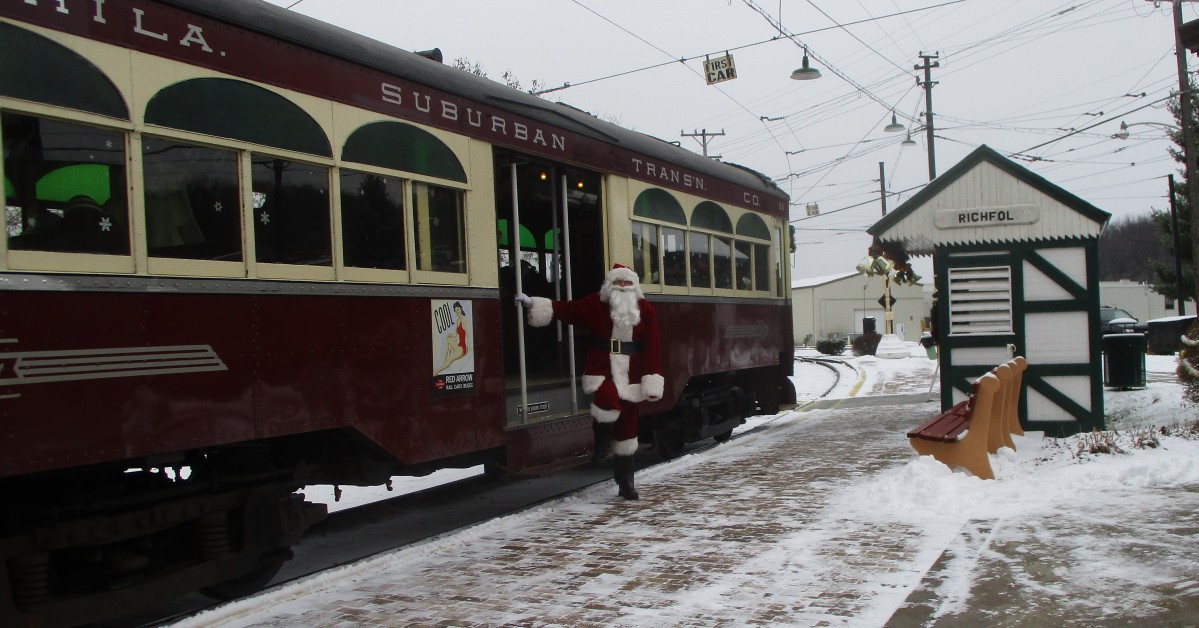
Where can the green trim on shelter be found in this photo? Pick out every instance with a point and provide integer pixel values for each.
(39, 70)
(400, 146)
(1038, 376)
(237, 110)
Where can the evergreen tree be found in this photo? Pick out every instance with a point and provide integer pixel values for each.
(1165, 282)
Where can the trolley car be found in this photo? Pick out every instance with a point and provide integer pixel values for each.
(246, 251)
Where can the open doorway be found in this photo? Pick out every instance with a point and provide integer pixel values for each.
(551, 244)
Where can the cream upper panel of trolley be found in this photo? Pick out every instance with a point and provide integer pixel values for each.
(153, 74)
(987, 198)
(689, 203)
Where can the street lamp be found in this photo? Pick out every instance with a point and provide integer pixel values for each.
(806, 72)
(895, 126)
(1122, 134)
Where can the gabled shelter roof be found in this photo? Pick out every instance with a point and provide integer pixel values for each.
(987, 198)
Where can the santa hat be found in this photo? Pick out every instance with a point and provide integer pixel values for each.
(620, 271)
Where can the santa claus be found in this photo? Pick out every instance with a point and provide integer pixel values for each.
(624, 364)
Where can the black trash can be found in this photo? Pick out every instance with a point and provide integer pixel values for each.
(1124, 360)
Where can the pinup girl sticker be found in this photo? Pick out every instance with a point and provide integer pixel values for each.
(453, 348)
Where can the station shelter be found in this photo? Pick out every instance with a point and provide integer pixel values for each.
(1015, 259)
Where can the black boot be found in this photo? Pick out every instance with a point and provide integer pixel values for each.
(623, 474)
(603, 441)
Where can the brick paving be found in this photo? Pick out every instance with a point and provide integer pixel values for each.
(757, 532)
(728, 541)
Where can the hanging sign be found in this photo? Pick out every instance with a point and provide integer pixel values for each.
(720, 69)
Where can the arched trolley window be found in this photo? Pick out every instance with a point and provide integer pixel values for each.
(64, 182)
(659, 247)
(752, 265)
(192, 195)
(373, 216)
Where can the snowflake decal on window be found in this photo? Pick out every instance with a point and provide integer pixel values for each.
(217, 207)
(106, 224)
(265, 217)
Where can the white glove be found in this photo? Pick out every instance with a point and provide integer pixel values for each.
(524, 300)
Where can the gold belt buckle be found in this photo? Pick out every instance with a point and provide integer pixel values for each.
(615, 346)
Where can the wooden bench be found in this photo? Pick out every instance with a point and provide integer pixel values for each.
(989, 417)
(941, 437)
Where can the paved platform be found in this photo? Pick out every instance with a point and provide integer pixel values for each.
(746, 534)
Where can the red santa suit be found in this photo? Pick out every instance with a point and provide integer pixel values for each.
(624, 364)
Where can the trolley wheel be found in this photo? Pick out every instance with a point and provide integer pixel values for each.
(253, 581)
(669, 443)
(722, 437)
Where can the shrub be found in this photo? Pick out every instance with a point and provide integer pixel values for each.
(1188, 363)
(831, 347)
(866, 344)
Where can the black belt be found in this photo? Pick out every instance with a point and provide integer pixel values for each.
(617, 347)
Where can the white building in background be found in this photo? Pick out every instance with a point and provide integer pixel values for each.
(833, 306)
(1139, 299)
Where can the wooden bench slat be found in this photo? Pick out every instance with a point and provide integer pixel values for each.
(945, 426)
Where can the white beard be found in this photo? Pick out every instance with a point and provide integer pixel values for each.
(622, 305)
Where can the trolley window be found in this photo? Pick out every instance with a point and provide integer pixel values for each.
(743, 265)
(674, 257)
(722, 262)
(700, 260)
(372, 220)
(658, 204)
(710, 216)
(291, 212)
(64, 186)
(399, 146)
(36, 69)
(192, 200)
(259, 117)
(439, 222)
(645, 252)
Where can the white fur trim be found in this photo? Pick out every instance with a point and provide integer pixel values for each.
(652, 385)
(625, 273)
(591, 383)
(624, 447)
(620, 377)
(542, 312)
(604, 416)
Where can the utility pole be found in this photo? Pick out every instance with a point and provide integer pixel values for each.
(928, 106)
(703, 135)
(882, 188)
(888, 314)
(1181, 300)
(1188, 136)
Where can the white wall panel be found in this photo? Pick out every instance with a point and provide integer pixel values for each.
(1039, 287)
(1057, 338)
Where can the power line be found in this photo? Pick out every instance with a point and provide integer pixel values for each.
(780, 37)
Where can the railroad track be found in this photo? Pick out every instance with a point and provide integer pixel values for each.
(354, 534)
(358, 533)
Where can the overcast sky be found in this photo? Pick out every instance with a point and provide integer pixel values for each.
(1042, 80)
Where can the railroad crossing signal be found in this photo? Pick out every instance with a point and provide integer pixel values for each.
(885, 302)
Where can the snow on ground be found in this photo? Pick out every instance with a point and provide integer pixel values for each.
(1104, 528)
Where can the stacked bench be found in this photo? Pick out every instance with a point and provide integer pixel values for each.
(964, 435)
